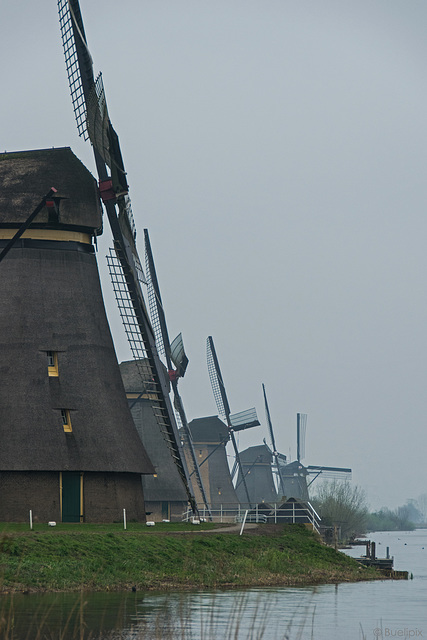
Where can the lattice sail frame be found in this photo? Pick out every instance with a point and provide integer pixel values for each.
(153, 301)
(216, 381)
(133, 333)
(72, 66)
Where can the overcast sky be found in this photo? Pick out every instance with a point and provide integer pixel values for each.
(277, 153)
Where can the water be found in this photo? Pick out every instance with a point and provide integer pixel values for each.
(366, 610)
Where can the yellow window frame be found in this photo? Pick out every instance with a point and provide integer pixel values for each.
(66, 420)
(52, 370)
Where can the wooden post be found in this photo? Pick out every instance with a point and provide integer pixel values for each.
(372, 550)
(335, 537)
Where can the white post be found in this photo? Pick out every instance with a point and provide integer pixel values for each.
(293, 512)
(31, 519)
(221, 512)
(124, 518)
(275, 513)
(256, 511)
(244, 521)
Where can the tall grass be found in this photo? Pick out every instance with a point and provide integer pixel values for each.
(171, 622)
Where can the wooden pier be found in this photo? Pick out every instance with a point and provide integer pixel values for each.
(385, 565)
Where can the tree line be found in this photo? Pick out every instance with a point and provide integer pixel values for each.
(344, 507)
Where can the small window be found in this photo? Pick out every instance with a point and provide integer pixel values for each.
(52, 363)
(66, 420)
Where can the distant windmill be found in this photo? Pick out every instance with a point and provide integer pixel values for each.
(175, 354)
(93, 123)
(295, 474)
(235, 422)
(260, 463)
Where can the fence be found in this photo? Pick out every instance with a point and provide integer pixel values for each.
(289, 512)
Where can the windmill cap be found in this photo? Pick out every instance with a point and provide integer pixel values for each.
(26, 177)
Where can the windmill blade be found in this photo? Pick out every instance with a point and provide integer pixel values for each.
(174, 353)
(273, 442)
(242, 420)
(91, 113)
(155, 304)
(301, 430)
(234, 470)
(267, 415)
(216, 380)
(178, 355)
(337, 473)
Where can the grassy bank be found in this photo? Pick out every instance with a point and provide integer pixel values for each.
(95, 557)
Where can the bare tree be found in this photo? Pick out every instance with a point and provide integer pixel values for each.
(342, 505)
(421, 502)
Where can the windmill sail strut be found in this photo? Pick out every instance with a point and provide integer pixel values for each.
(93, 122)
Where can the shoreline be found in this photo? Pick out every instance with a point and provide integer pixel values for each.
(103, 558)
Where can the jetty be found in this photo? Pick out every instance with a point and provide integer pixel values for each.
(370, 559)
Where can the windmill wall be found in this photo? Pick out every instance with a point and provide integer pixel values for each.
(69, 450)
(210, 436)
(257, 467)
(294, 476)
(165, 494)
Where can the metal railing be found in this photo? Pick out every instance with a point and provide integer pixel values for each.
(293, 512)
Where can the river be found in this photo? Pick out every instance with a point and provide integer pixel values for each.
(365, 610)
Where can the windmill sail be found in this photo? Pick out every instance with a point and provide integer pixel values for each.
(93, 122)
(273, 443)
(178, 355)
(301, 431)
(243, 420)
(174, 354)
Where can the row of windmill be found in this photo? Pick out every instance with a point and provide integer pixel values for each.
(69, 445)
(260, 474)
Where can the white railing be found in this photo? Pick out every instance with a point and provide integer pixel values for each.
(294, 512)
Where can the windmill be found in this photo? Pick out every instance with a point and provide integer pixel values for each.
(210, 436)
(295, 474)
(257, 465)
(175, 355)
(235, 422)
(70, 451)
(260, 463)
(93, 122)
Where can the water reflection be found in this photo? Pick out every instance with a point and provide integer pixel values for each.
(325, 612)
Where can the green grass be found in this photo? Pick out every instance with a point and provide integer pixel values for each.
(105, 557)
(117, 527)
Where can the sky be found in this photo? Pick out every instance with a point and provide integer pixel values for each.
(276, 151)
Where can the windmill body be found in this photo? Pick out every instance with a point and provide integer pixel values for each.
(210, 436)
(294, 477)
(257, 466)
(69, 450)
(164, 493)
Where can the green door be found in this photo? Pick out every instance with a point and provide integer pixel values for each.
(71, 507)
(165, 511)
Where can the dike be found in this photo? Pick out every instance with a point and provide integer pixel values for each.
(168, 556)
